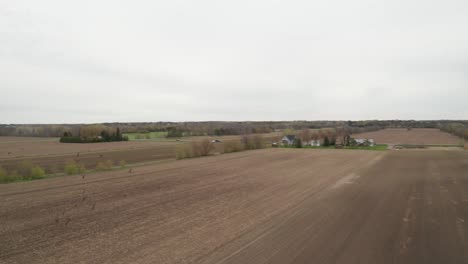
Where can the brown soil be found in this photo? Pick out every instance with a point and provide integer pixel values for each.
(52, 155)
(415, 136)
(267, 206)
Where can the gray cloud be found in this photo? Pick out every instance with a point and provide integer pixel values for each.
(95, 61)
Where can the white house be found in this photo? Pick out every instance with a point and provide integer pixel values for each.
(288, 140)
(313, 143)
(364, 141)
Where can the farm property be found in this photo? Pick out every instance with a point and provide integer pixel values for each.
(415, 136)
(265, 206)
(53, 156)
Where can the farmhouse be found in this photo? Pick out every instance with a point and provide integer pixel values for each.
(288, 140)
(312, 143)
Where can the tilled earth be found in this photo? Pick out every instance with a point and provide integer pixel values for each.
(415, 136)
(265, 206)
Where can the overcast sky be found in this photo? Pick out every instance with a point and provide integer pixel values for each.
(96, 61)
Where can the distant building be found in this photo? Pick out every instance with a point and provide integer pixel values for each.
(364, 142)
(288, 140)
(313, 143)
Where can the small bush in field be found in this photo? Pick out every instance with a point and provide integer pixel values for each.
(37, 172)
(109, 164)
(81, 168)
(184, 151)
(253, 141)
(205, 147)
(195, 149)
(122, 164)
(100, 166)
(103, 166)
(3, 175)
(71, 168)
(233, 146)
(25, 169)
(12, 176)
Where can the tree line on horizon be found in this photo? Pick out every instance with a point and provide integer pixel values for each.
(221, 128)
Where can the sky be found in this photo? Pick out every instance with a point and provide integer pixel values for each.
(136, 61)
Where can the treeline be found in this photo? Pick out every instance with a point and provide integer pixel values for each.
(92, 134)
(218, 128)
(457, 129)
(26, 170)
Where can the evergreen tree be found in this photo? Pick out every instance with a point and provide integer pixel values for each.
(118, 135)
(297, 143)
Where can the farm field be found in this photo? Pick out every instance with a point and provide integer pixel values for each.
(52, 155)
(148, 135)
(415, 136)
(264, 206)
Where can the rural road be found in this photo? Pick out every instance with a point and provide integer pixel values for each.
(267, 206)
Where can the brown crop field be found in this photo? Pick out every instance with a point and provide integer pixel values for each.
(264, 206)
(415, 136)
(52, 155)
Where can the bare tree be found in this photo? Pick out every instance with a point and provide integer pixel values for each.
(305, 135)
(205, 147)
(345, 134)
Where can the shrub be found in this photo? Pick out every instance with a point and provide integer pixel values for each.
(37, 172)
(195, 147)
(258, 142)
(297, 143)
(253, 141)
(233, 146)
(6, 177)
(25, 169)
(72, 168)
(205, 147)
(100, 166)
(3, 175)
(103, 166)
(184, 151)
(81, 168)
(109, 164)
(71, 139)
(326, 142)
(122, 164)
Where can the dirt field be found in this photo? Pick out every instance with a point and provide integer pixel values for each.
(415, 136)
(266, 206)
(52, 155)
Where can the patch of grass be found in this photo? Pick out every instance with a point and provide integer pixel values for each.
(445, 145)
(149, 135)
(3, 175)
(27, 171)
(378, 147)
(72, 168)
